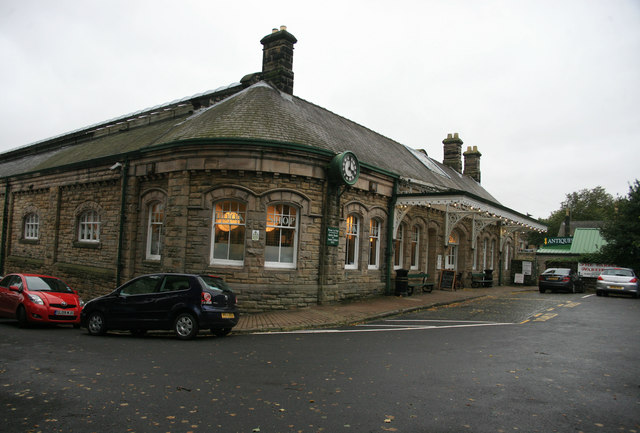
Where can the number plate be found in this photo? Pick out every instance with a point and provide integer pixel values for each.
(228, 315)
(553, 278)
(64, 312)
(616, 287)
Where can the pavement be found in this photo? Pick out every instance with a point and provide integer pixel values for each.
(348, 313)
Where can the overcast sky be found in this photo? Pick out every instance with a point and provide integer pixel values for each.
(548, 90)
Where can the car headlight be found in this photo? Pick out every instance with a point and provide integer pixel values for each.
(81, 302)
(36, 299)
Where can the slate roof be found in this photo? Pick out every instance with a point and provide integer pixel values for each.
(259, 112)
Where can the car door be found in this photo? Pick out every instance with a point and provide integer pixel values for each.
(130, 307)
(11, 298)
(4, 299)
(173, 292)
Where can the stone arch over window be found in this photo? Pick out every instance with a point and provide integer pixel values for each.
(230, 192)
(154, 204)
(301, 201)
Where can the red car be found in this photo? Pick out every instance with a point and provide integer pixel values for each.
(39, 299)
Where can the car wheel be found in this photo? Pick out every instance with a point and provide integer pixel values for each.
(598, 293)
(542, 290)
(96, 324)
(21, 314)
(573, 288)
(220, 332)
(186, 326)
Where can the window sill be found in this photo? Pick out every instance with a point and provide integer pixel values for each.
(87, 245)
(30, 241)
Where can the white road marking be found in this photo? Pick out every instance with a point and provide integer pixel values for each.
(388, 328)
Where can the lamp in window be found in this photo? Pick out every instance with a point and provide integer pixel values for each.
(224, 223)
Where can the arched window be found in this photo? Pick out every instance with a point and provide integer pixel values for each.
(507, 256)
(32, 226)
(398, 246)
(89, 226)
(452, 253)
(415, 247)
(228, 235)
(484, 253)
(353, 242)
(155, 230)
(493, 253)
(282, 236)
(374, 244)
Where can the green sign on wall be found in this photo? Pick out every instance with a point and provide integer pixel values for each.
(333, 236)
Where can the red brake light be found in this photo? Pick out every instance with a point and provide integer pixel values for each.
(600, 277)
(634, 280)
(565, 279)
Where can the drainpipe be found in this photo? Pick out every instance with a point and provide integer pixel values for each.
(389, 255)
(5, 216)
(123, 208)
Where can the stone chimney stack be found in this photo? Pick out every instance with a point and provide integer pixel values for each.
(453, 152)
(277, 59)
(472, 163)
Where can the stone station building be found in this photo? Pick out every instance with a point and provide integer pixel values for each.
(291, 203)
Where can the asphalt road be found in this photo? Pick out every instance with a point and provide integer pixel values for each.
(525, 362)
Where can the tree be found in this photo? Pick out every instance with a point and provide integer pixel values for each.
(585, 205)
(622, 231)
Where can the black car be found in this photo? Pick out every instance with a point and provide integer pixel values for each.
(564, 279)
(184, 303)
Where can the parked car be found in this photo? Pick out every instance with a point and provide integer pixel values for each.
(32, 298)
(617, 280)
(184, 303)
(564, 279)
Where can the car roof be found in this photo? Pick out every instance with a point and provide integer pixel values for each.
(32, 275)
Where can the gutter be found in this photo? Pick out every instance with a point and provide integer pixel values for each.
(123, 205)
(5, 223)
(389, 249)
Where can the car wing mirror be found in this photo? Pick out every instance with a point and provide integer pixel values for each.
(15, 289)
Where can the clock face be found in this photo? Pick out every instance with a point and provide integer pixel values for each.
(350, 168)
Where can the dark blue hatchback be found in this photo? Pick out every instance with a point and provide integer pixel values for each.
(184, 303)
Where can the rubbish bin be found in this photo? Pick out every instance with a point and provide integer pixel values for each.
(488, 278)
(402, 282)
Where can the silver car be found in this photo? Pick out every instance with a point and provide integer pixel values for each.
(617, 280)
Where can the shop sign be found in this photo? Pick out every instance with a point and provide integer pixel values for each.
(591, 270)
(558, 241)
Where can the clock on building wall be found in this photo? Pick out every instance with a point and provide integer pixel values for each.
(345, 168)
